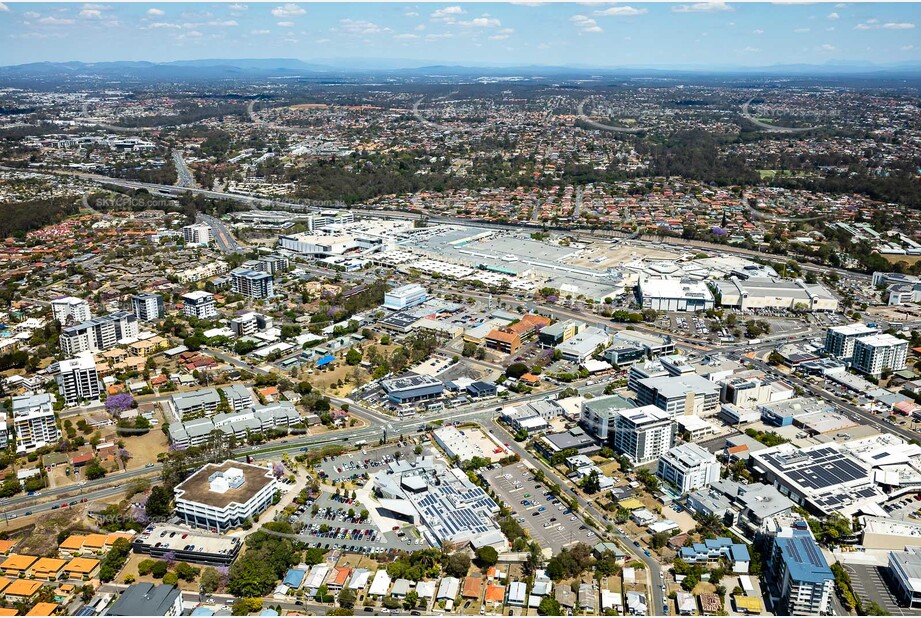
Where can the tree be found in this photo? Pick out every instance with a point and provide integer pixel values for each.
(487, 556)
(158, 504)
(158, 569)
(210, 580)
(114, 560)
(118, 404)
(246, 606)
(347, 598)
(353, 357)
(411, 600)
(516, 370)
(94, 471)
(549, 607)
(390, 603)
(457, 564)
(591, 483)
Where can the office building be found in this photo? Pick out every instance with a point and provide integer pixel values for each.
(581, 347)
(674, 295)
(503, 341)
(840, 340)
(34, 423)
(875, 353)
(247, 422)
(197, 234)
(77, 379)
(70, 310)
(252, 283)
(405, 296)
(687, 393)
(555, 334)
(643, 434)
(199, 305)
(412, 388)
(318, 245)
(798, 576)
(222, 496)
(98, 334)
(599, 414)
(148, 600)
(905, 573)
(250, 323)
(147, 307)
(688, 467)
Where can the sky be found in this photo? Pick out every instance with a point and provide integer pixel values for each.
(522, 33)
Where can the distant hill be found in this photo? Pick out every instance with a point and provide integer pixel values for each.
(290, 67)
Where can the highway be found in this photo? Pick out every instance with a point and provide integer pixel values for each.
(770, 128)
(185, 178)
(223, 238)
(260, 202)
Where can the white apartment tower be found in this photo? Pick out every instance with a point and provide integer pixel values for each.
(875, 353)
(77, 379)
(199, 305)
(34, 422)
(197, 234)
(70, 310)
(643, 434)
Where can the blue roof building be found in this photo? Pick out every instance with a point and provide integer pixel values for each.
(798, 574)
(294, 578)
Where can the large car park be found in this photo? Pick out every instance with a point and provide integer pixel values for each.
(550, 522)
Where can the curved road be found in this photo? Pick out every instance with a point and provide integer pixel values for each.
(770, 128)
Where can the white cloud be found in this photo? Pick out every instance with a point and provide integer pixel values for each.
(907, 47)
(801, 30)
(227, 23)
(481, 22)
(585, 24)
(162, 25)
(438, 37)
(873, 24)
(758, 31)
(621, 11)
(359, 26)
(260, 32)
(751, 50)
(155, 12)
(833, 16)
(286, 24)
(90, 13)
(448, 14)
(55, 21)
(828, 48)
(237, 7)
(411, 14)
(4, 8)
(288, 10)
(702, 7)
(31, 15)
(407, 37)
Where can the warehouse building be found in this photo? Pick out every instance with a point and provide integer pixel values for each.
(774, 293)
(675, 295)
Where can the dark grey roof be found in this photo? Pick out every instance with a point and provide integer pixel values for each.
(145, 600)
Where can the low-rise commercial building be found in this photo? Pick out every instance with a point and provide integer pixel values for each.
(412, 388)
(405, 296)
(674, 295)
(222, 496)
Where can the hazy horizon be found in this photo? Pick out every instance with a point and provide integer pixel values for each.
(588, 35)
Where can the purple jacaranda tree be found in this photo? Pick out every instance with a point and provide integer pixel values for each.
(119, 404)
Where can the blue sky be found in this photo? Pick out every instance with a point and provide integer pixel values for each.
(592, 34)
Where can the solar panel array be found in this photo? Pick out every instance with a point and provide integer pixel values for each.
(824, 467)
(449, 512)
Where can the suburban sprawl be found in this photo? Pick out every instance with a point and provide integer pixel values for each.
(452, 344)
